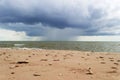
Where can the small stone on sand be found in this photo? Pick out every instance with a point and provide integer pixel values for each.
(101, 57)
(50, 64)
(22, 62)
(36, 75)
(12, 72)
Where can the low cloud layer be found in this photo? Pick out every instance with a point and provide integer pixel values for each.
(9, 35)
(61, 19)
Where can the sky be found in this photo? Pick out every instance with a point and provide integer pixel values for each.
(59, 20)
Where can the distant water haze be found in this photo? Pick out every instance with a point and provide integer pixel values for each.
(64, 45)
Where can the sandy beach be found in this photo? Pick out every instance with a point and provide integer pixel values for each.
(37, 64)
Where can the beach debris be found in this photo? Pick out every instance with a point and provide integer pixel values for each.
(50, 64)
(47, 54)
(16, 65)
(101, 57)
(29, 56)
(4, 53)
(76, 70)
(44, 60)
(89, 72)
(36, 75)
(12, 72)
(22, 62)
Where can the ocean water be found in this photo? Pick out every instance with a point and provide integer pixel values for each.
(64, 45)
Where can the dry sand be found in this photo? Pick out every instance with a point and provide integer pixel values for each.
(25, 64)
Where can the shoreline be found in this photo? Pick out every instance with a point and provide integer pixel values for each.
(25, 48)
(43, 64)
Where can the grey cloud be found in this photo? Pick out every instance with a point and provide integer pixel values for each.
(56, 19)
(52, 13)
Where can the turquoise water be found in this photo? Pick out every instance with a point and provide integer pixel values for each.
(65, 45)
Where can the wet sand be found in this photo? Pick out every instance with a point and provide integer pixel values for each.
(36, 64)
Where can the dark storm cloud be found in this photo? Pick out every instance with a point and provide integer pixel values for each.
(41, 17)
(48, 14)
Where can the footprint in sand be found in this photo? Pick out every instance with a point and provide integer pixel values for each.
(114, 68)
(44, 60)
(56, 60)
(76, 70)
(111, 58)
(60, 74)
(29, 56)
(116, 63)
(118, 60)
(82, 57)
(101, 57)
(89, 72)
(113, 71)
(33, 54)
(26, 59)
(13, 66)
(103, 62)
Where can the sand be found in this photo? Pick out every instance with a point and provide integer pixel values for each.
(36, 64)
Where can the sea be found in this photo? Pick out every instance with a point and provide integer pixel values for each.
(64, 45)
